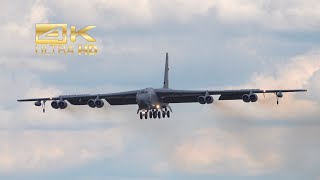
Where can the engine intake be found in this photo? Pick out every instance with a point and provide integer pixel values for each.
(54, 105)
(62, 104)
(91, 103)
(209, 99)
(253, 98)
(246, 98)
(201, 100)
(99, 103)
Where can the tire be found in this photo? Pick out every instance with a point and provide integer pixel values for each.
(159, 114)
(163, 114)
(168, 114)
(140, 115)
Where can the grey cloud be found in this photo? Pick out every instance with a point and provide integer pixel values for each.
(35, 150)
(205, 43)
(283, 16)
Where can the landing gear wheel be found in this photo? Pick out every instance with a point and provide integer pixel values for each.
(163, 114)
(154, 114)
(146, 115)
(150, 114)
(168, 114)
(140, 115)
(159, 114)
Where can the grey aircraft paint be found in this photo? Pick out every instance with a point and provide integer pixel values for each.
(154, 103)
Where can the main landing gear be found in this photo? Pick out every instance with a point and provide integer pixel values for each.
(154, 114)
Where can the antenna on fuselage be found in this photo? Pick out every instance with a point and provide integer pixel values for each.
(166, 73)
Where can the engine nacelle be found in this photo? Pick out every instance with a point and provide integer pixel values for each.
(246, 98)
(37, 103)
(62, 104)
(209, 99)
(99, 103)
(201, 100)
(253, 98)
(91, 103)
(279, 94)
(54, 105)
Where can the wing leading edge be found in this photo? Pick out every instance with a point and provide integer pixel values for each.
(121, 98)
(166, 95)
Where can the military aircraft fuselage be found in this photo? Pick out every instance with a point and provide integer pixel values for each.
(148, 99)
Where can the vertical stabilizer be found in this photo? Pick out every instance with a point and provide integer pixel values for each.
(166, 73)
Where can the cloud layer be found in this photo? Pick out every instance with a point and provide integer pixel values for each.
(212, 44)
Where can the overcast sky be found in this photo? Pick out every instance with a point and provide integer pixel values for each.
(212, 44)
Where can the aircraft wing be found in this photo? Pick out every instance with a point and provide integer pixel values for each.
(121, 98)
(183, 96)
(166, 95)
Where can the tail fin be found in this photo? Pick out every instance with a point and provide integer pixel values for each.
(166, 73)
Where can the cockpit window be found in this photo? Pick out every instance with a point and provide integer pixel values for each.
(143, 92)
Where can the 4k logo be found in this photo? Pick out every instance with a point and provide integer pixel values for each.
(52, 39)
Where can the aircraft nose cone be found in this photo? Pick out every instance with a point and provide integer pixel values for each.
(143, 102)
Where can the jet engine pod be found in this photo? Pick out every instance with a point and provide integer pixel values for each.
(62, 104)
(209, 99)
(246, 98)
(201, 100)
(37, 103)
(99, 103)
(279, 94)
(253, 98)
(54, 105)
(91, 103)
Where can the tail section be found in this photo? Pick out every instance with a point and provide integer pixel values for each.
(166, 73)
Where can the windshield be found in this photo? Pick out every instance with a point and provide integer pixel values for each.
(143, 92)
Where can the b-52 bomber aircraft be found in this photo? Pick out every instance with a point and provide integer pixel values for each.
(154, 102)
